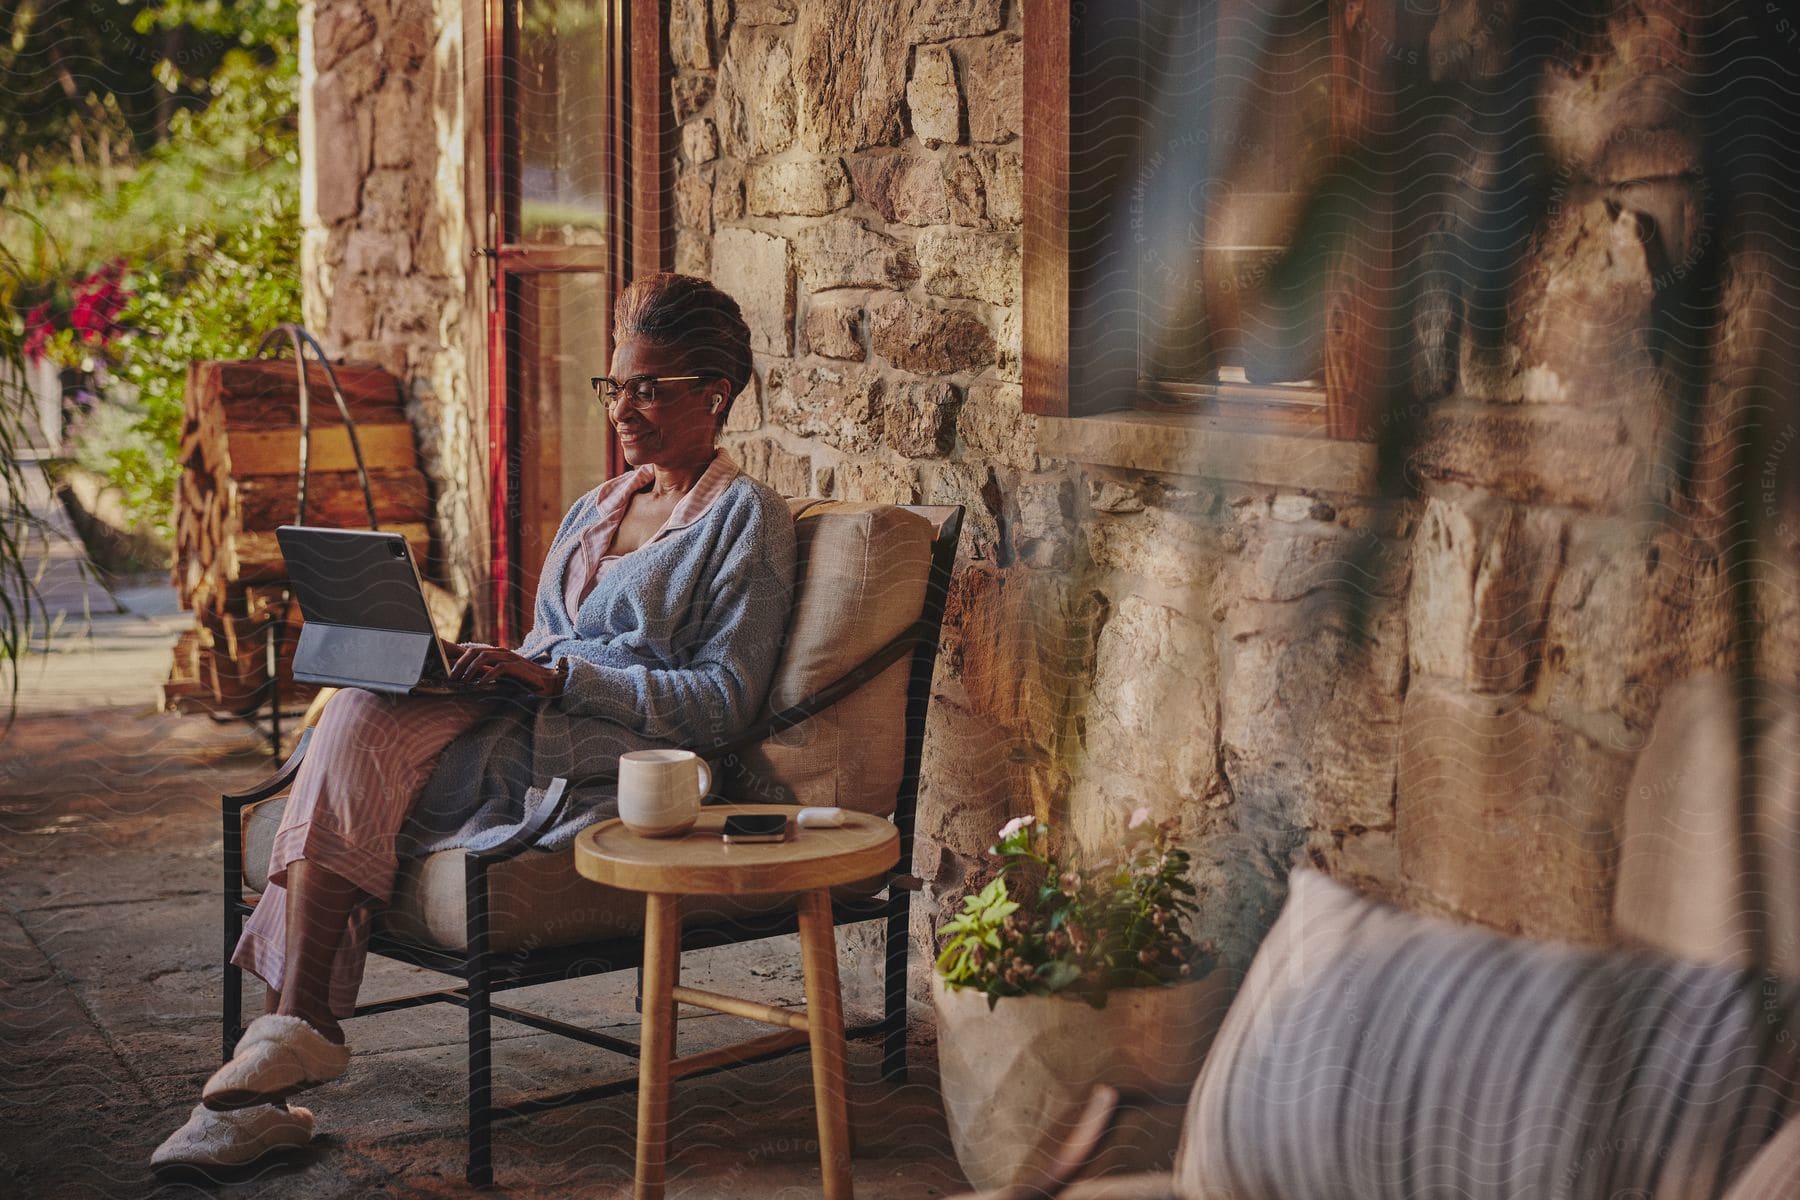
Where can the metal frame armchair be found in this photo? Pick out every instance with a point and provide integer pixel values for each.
(486, 969)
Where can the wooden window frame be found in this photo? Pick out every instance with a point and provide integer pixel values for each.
(639, 141)
(1360, 338)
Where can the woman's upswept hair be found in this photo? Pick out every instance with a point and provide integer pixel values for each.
(691, 316)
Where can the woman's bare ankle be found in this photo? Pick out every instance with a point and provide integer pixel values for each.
(325, 1025)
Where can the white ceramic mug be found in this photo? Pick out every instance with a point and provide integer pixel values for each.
(660, 791)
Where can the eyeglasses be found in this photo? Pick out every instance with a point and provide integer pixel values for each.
(639, 389)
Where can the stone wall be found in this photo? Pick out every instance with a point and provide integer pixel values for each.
(1439, 697)
(386, 235)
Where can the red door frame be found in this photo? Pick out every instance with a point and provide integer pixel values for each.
(637, 141)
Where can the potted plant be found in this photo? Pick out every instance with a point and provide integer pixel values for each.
(1060, 974)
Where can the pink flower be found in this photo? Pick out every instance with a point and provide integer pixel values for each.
(1013, 826)
(1139, 816)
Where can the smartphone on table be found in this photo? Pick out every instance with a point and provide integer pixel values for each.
(756, 827)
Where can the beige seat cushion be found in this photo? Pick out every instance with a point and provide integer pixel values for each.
(537, 900)
(862, 570)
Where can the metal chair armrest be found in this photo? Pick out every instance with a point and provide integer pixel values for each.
(556, 799)
(275, 783)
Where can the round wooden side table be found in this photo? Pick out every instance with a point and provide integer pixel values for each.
(698, 863)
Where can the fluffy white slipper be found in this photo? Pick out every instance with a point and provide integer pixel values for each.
(277, 1057)
(233, 1139)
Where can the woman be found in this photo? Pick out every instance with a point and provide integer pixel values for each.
(658, 617)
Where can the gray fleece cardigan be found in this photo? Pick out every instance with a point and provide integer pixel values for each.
(676, 645)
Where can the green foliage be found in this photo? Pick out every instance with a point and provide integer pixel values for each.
(1044, 926)
(204, 217)
(18, 531)
(246, 281)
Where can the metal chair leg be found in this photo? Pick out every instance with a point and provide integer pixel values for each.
(893, 1052)
(480, 1170)
(232, 1022)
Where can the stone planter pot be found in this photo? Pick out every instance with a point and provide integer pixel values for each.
(1006, 1074)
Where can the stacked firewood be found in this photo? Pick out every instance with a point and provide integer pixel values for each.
(240, 454)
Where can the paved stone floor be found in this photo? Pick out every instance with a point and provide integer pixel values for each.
(109, 984)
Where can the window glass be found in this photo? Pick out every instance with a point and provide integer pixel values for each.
(562, 432)
(561, 104)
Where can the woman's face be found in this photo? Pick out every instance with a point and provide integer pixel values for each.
(677, 432)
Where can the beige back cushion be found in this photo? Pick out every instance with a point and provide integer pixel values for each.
(1681, 886)
(862, 570)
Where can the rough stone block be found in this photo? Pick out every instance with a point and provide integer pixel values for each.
(932, 98)
(1153, 711)
(402, 125)
(1157, 544)
(993, 76)
(1585, 459)
(973, 266)
(835, 331)
(745, 414)
(1003, 182)
(1110, 495)
(843, 252)
(691, 34)
(809, 187)
(699, 141)
(728, 191)
(920, 418)
(1016, 643)
(876, 482)
(1625, 110)
(694, 203)
(693, 254)
(766, 12)
(1483, 574)
(339, 28)
(1310, 713)
(902, 187)
(1508, 816)
(1043, 527)
(689, 92)
(994, 427)
(844, 410)
(753, 268)
(965, 189)
(1280, 561)
(939, 20)
(1586, 310)
(756, 93)
(975, 487)
(1640, 605)
(788, 473)
(930, 341)
(338, 176)
(849, 73)
(377, 252)
(405, 41)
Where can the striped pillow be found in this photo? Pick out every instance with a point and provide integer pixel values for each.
(1377, 1054)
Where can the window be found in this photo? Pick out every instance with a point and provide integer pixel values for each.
(575, 128)
(1192, 240)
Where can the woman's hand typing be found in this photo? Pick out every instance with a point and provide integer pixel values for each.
(487, 664)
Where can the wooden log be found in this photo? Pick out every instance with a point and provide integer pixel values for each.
(333, 498)
(254, 556)
(277, 451)
(265, 394)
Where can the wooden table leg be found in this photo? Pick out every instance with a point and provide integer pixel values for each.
(662, 971)
(825, 1024)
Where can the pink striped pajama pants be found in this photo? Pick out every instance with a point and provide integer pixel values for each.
(368, 762)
